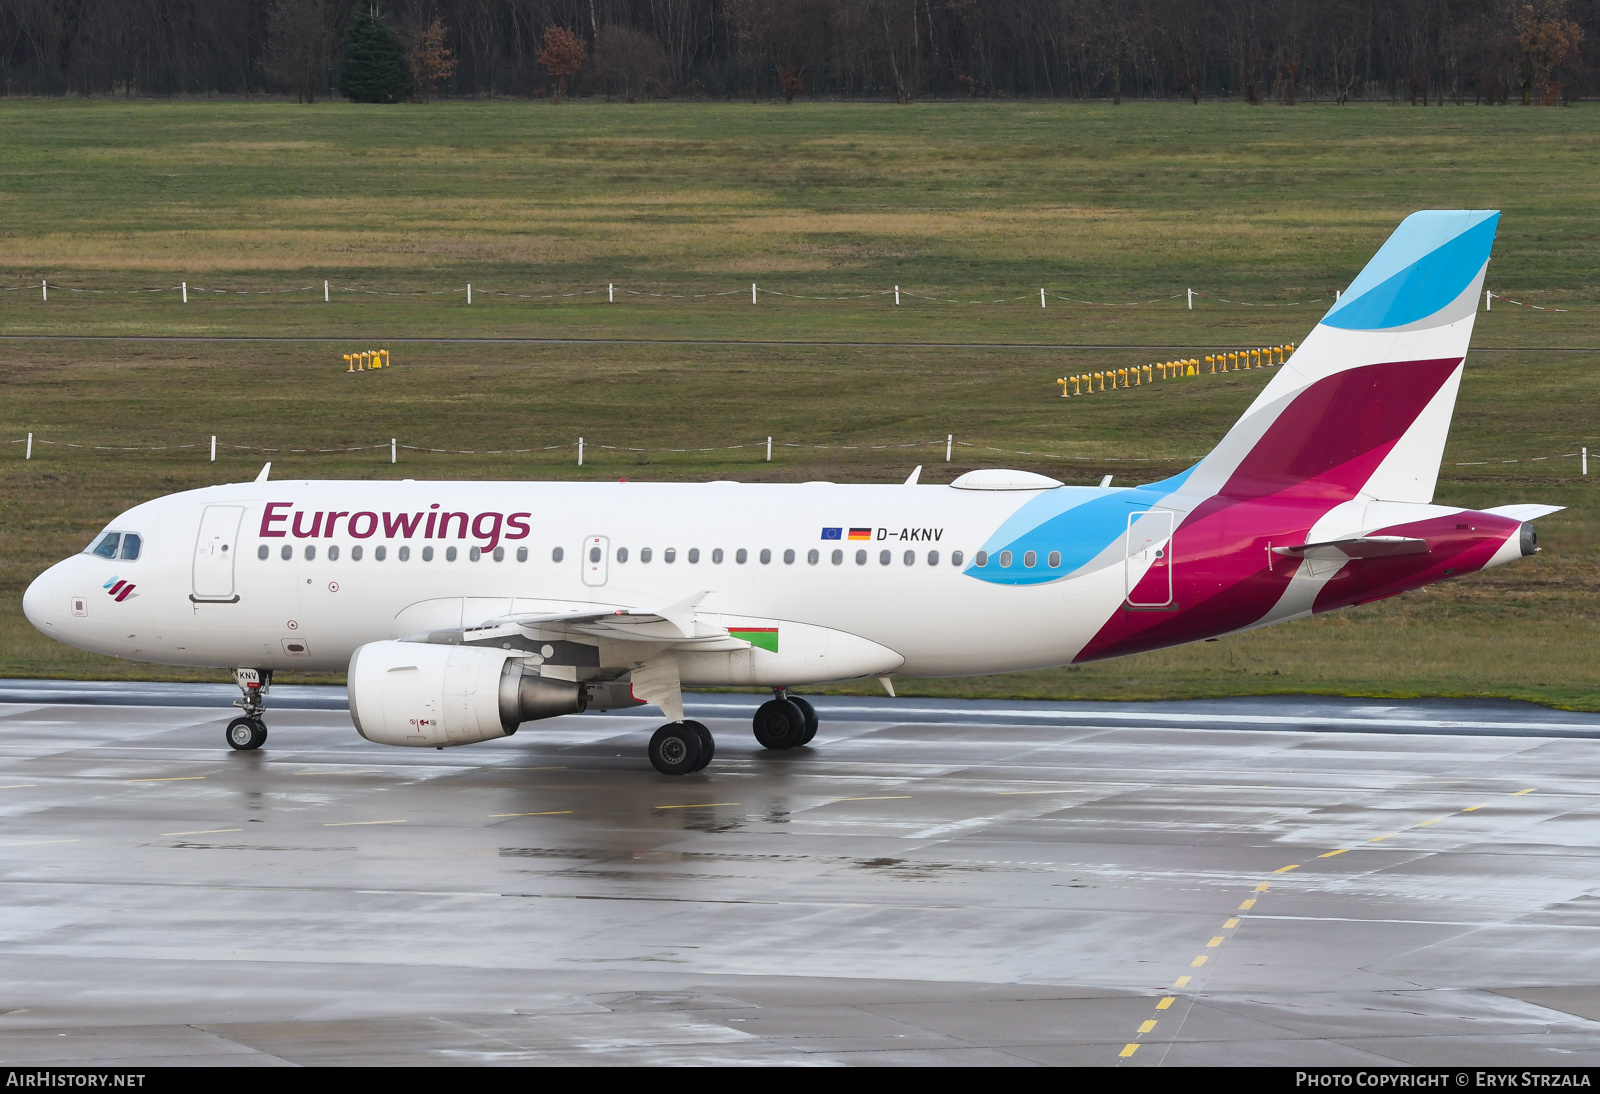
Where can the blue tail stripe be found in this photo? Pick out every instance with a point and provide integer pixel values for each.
(1428, 262)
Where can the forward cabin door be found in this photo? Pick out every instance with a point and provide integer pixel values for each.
(214, 551)
(1148, 567)
(596, 558)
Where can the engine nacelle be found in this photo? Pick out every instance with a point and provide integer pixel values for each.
(417, 693)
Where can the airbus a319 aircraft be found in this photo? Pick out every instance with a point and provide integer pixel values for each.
(463, 609)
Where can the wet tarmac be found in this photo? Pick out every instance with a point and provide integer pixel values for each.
(1282, 881)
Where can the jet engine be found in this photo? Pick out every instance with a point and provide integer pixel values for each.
(418, 693)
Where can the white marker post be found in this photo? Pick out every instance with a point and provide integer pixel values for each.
(611, 294)
(1335, 296)
(29, 455)
(949, 439)
(324, 292)
(44, 289)
(580, 451)
(752, 292)
(1191, 298)
(392, 449)
(469, 292)
(1585, 455)
(1488, 300)
(769, 449)
(185, 292)
(213, 448)
(897, 296)
(1041, 298)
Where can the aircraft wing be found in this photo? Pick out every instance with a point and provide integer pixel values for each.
(672, 627)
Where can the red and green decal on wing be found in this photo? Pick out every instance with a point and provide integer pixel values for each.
(763, 638)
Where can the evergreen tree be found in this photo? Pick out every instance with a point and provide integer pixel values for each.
(373, 68)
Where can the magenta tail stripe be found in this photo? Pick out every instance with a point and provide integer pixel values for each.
(1336, 420)
(124, 594)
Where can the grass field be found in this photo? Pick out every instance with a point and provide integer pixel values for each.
(971, 201)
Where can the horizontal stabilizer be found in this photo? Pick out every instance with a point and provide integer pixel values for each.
(1525, 512)
(1357, 547)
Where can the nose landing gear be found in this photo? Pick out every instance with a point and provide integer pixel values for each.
(249, 732)
(246, 734)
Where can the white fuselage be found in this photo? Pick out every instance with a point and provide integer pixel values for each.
(311, 613)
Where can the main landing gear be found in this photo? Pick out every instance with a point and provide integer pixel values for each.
(786, 721)
(679, 748)
(249, 732)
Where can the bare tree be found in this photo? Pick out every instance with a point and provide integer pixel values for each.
(628, 60)
(300, 43)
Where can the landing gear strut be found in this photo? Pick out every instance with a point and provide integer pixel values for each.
(785, 721)
(249, 732)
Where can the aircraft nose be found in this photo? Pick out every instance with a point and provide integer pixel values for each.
(38, 602)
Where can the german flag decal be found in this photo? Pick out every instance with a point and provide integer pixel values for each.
(861, 533)
(762, 638)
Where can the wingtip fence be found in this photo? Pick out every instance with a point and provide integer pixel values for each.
(611, 292)
(394, 448)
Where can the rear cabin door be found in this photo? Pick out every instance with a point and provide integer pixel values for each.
(596, 558)
(1148, 568)
(214, 551)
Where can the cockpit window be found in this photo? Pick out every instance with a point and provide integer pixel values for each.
(107, 547)
(130, 546)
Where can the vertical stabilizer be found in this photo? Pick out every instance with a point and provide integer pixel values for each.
(1363, 406)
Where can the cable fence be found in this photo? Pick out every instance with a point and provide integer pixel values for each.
(948, 447)
(614, 292)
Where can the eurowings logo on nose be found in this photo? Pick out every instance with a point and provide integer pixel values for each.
(118, 589)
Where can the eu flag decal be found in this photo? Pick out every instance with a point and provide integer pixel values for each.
(833, 533)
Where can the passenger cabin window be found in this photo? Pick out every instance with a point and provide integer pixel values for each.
(981, 559)
(405, 554)
(933, 558)
(522, 554)
(475, 554)
(741, 556)
(861, 558)
(380, 553)
(884, 557)
(333, 554)
(1005, 560)
(263, 551)
(622, 553)
(669, 555)
(911, 558)
(355, 553)
(1055, 559)
(1030, 559)
(287, 553)
(716, 556)
(427, 554)
(837, 558)
(813, 556)
(311, 552)
(694, 555)
(450, 554)
(766, 556)
(644, 554)
(499, 554)
(107, 547)
(955, 558)
(555, 556)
